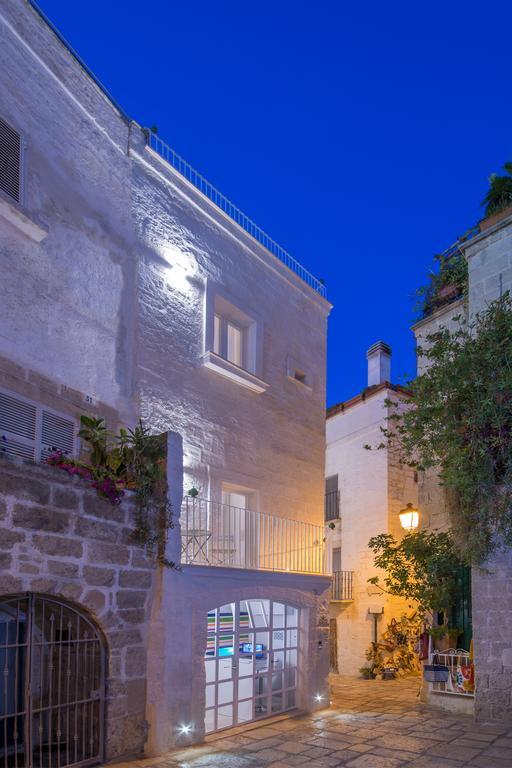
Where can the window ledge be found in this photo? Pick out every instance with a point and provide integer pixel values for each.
(15, 215)
(231, 371)
(302, 384)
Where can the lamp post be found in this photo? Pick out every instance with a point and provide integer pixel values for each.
(409, 518)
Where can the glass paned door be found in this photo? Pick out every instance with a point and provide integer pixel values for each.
(250, 662)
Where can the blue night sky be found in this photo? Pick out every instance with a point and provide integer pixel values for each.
(359, 135)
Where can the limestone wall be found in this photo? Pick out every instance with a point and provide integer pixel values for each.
(490, 274)
(58, 538)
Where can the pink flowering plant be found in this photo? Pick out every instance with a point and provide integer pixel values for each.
(131, 460)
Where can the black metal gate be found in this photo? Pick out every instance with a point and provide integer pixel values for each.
(52, 683)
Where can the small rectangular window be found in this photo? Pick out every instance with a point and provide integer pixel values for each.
(234, 339)
(10, 161)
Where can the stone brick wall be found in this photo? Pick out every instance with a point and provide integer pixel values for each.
(58, 538)
(490, 274)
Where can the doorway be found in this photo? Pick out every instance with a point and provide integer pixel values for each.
(250, 662)
(52, 686)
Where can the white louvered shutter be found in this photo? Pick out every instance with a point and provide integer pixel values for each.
(18, 422)
(10, 161)
(57, 433)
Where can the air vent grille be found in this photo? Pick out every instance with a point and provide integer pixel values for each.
(32, 432)
(10, 161)
(56, 433)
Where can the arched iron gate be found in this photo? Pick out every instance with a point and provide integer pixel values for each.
(52, 684)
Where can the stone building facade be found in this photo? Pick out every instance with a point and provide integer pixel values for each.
(489, 259)
(127, 293)
(373, 487)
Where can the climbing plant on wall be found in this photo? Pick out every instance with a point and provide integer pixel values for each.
(132, 460)
(461, 424)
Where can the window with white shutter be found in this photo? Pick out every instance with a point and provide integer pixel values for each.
(31, 431)
(10, 161)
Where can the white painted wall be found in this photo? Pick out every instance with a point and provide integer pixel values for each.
(371, 493)
(67, 302)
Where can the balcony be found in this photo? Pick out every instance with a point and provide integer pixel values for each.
(341, 589)
(223, 536)
(332, 506)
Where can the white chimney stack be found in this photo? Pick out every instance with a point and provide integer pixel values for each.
(379, 363)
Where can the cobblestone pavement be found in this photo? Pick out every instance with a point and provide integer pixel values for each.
(371, 724)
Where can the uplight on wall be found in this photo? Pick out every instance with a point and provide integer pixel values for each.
(409, 518)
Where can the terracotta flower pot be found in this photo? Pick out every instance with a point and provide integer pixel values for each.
(446, 641)
(490, 221)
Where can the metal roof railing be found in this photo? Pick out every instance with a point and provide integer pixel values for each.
(168, 154)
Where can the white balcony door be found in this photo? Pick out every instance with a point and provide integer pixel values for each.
(238, 528)
(250, 662)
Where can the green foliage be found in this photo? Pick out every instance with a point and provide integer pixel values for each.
(446, 283)
(422, 567)
(461, 425)
(499, 194)
(132, 460)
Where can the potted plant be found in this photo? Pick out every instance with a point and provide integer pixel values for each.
(367, 673)
(498, 200)
(444, 637)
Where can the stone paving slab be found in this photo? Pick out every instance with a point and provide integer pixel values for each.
(370, 724)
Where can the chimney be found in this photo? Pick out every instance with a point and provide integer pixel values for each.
(379, 363)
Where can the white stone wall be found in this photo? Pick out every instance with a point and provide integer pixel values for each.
(489, 258)
(67, 301)
(372, 486)
(272, 443)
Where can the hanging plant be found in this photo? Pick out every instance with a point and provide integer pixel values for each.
(460, 424)
(132, 460)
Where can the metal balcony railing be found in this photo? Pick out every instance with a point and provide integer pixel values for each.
(332, 506)
(190, 174)
(342, 584)
(223, 536)
(461, 674)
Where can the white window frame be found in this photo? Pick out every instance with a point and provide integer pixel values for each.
(40, 408)
(222, 313)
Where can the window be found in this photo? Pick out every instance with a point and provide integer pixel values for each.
(228, 341)
(297, 372)
(30, 431)
(233, 339)
(336, 559)
(332, 498)
(10, 161)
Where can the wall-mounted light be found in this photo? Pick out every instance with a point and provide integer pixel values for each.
(185, 730)
(319, 697)
(409, 518)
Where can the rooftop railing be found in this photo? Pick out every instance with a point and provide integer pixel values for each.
(168, 154)
(224, 536)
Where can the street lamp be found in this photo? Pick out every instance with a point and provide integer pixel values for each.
(409, 518)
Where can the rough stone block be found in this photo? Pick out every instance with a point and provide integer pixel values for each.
(59, 568)
(57, 545)
(23, 487)
(135, 662)
(9, 584)
(40, 519)
(131, 598)
(99, 577)
(5, 561)
(137, 579)
(65, 498)
(96, 507)
(9, 538)
(108, 554)
(95, 529)
(94, 600)
(123, 637)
